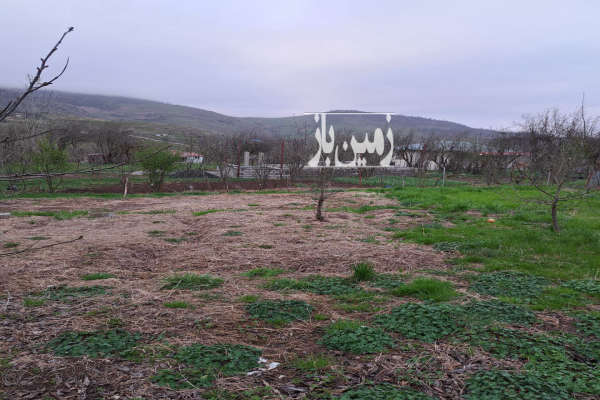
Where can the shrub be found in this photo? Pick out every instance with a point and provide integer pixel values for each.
(354, 337)
(48, 159)
(279, 312)
(157, 164)
(191, 282)
(427, 289)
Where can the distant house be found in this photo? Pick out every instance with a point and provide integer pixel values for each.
(191, 158)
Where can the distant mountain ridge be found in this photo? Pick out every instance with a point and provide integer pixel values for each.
(118, 108)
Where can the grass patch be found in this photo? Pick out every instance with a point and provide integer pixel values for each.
(111, 343)
(363, 271)
(249, 298)
(312, 363)
(354, 337)
(10, 245)
(427, 289)
(175, 240)
(558, 298)
(233, 233)
(157, 212)
(67, 293)
(263, 272)
(33, 302)
(38, 238)
(426, 322)
(59, 215)
(156, 233)
(191, 282)
(520, 239)
(97, 276)
(200, 213)
(177, 304)
(279, 312)
(265, 246)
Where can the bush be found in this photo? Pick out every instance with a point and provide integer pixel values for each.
(50, 159)
(192, 282)
(156, 165)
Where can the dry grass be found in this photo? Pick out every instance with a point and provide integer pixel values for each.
(119, 244)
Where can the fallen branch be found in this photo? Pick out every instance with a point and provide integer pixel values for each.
(41, 247)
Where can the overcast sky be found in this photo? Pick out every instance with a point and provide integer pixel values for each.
(482, 63)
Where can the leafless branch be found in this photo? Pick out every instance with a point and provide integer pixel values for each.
(36, 82)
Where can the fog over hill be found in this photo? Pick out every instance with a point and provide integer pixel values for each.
(116, 108)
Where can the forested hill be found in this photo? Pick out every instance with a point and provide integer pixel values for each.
(116, 108)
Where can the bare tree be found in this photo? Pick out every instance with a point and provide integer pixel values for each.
(321, 190)
(558, 149)
(222, 151)
(406, 149)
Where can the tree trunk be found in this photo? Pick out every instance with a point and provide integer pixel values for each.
(555, 226)
(320, 206)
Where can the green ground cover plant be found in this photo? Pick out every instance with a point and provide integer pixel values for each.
(355, 337)
(383, 391)
(330, 285)
(111, 343)
(279, 312)
(426, 322)
(199, 365)
(177, 304)
(486, 312)
(509, 284)
(363, 271)
(387, 281)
